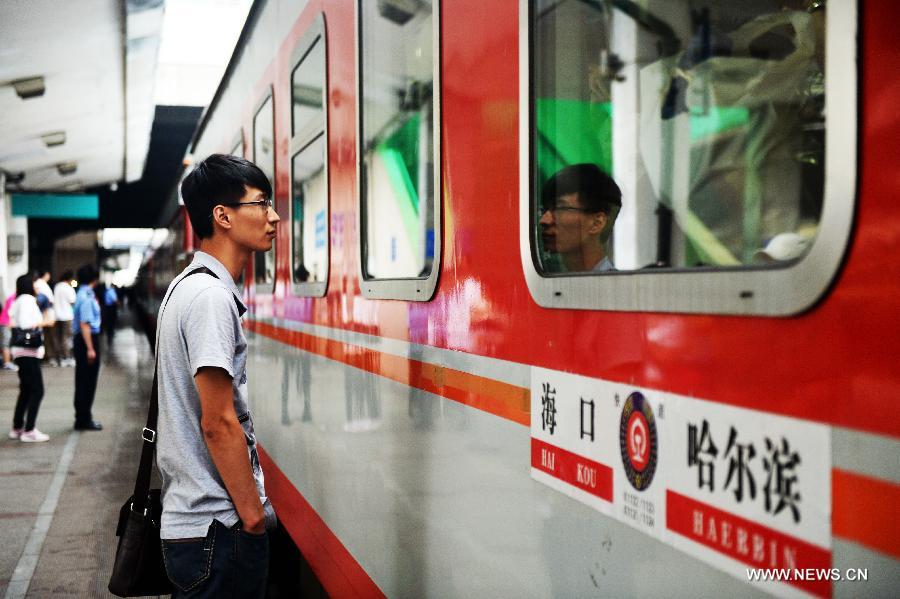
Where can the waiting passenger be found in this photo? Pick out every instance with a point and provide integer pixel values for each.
(45, 300)
(5, 334)
(63, 300)
(580, 204)
(86, 324)
(27, 351)
(111, 313)
(213, 497)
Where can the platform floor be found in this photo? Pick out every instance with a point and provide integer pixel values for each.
(59, 500)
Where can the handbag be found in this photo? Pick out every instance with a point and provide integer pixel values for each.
(139, 569)
(27, 338)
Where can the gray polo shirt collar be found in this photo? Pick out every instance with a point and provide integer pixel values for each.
(204, 259)
(604, 265)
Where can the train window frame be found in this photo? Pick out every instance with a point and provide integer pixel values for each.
(237, 144)
(412, 289)
(784, 290)
(268, 287)
(237, 149)
(300, 140)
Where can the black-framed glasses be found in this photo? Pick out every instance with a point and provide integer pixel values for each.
(555, 210)
(266, 203)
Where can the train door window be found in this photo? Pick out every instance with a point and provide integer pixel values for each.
(399, 151)
(264, 158)
(237, 146)
(237, 149)
(309, 164)
(676, 154)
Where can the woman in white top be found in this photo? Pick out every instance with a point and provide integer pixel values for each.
(63, 300)
(25, 314)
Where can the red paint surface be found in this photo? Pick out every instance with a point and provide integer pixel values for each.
(864, 510)
(589, 476)
(681, 512)
(835, 364)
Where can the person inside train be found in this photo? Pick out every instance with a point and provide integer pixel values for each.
(214, 503)
(580, 204)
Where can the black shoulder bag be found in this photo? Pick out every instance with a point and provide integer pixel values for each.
(27, 338)
(139, 570)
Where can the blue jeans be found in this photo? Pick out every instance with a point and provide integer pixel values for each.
(228, 562)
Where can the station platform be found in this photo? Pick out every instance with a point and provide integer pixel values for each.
(59, 500)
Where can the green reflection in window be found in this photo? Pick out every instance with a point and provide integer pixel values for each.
(400, 154)
(717, 121)
(562, 125)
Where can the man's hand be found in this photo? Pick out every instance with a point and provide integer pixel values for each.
(88, 342)
(257, 529)
(227, 445)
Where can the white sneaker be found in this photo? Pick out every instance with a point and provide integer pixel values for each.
(68, 363)
(34, 436)
(15, 433)
(10, 366)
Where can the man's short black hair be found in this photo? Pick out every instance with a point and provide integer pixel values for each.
(220, 179)
(87, 274)
(596, 190)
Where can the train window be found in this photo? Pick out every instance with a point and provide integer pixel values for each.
(307, 87)
(399, 152)
(677, 156)
(264, 158)
(309, 213)
(309, 164)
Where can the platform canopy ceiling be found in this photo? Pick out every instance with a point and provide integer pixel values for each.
(76, 91)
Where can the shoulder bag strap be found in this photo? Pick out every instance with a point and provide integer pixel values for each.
(142, 484)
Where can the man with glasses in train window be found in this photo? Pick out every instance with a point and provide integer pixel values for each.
(215, 511)
(580, 204)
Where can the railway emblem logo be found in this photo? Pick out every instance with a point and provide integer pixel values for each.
(638, 441)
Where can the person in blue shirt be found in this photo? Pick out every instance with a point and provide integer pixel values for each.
(86, 347)
(111, 317)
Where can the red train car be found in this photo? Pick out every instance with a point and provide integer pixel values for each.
(469, 380)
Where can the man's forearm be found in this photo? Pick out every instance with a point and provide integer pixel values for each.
(228, 448)
(86, 335)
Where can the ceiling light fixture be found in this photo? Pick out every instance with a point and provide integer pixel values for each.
(399, 11)
(29, 87)
(67, 168)
(56, 138)
(14, 178)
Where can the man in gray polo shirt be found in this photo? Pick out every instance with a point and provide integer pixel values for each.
(215, 510)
